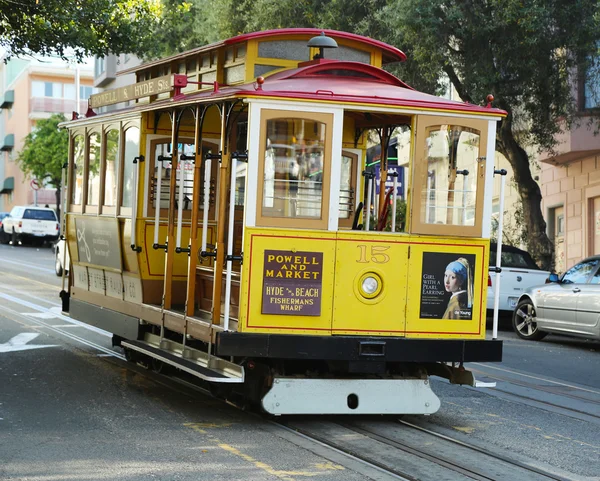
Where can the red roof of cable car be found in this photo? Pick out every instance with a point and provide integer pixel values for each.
(345, 82)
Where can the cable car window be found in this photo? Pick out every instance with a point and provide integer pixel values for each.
(78, 159)
(293, 169)
(112, 168)
(93, 173)
(132, 150)
(449, 195)
(162, 156)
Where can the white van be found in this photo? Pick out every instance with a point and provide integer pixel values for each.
(31, 224)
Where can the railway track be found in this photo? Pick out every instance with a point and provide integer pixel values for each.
(410, 452)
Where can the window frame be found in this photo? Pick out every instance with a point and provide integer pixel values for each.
(73, 207)
(92, 208)
(347, 223)
(419, 171)
(326, 118)
(126, 211)
(106, 128)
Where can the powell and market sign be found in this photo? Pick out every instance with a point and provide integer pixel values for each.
(141, 89)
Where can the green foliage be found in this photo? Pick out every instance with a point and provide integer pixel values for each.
(84, 27)
(45, 150)
(520, 51)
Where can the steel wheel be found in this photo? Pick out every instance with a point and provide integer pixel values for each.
(525, 322)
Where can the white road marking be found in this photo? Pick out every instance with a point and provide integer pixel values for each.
(19, 343)
(40, 315)
(54, 310)
(64, 333)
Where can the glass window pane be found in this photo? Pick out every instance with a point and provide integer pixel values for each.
(346, 190)
(293, 169)
(112, 167)
(93, 193)
(132, 149)
(448, 196)
(78, 151)
(579, 273)
(57, 92)
(162, 153)
(38, 89)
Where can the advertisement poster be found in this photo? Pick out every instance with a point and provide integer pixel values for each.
(98, 241)
(292, 283)
(447, 286)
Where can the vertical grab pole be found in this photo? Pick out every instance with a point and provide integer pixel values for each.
(157, 203)
(394, 199)
(230, 242)
(63, 220)
(206, 204)
(464, 199)
(190, 304)
(498, 269)
(368, 206)
(182, 165)
(134, 202)
(428, 199)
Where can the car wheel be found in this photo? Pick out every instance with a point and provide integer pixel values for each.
(14, 239)
(525, 322)
(57, 265)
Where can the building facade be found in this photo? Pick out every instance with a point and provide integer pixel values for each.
(31, 90)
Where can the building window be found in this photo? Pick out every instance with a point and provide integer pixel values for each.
(100, 66)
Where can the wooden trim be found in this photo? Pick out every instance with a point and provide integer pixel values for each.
(171, 217)
(282, 222)
(347, 223)
(419, 178)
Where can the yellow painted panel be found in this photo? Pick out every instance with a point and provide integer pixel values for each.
(431, 311)
(287, 271)
(384, 257)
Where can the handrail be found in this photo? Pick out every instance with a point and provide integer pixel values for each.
(134, 204)
(206, 203)
(182, 165)
(230, 243)
(157, 203)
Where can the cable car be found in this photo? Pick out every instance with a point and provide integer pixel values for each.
(221, 219)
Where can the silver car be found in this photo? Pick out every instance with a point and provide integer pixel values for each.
(569, 304)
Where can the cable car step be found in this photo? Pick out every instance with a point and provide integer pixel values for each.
(193, 361)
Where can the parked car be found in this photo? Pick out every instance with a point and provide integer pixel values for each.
(569, 304)
(519, 272)
(60, 262)
(33, 224)
(4, 238)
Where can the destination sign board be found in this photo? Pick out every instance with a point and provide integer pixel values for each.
(292, 283)
(138, 90)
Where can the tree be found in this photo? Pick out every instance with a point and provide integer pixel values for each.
(85, 27)
(524, 52)
(45, 151)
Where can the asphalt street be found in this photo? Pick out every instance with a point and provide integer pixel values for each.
(71, 408)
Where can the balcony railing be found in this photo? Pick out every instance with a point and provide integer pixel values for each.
(56, 105)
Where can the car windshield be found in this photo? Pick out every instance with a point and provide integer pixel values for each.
(513, 257)
(39, 214)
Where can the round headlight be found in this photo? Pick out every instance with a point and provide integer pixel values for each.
(370, 285)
